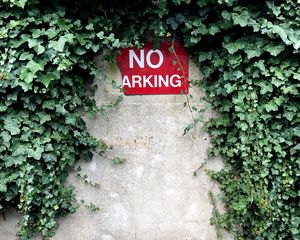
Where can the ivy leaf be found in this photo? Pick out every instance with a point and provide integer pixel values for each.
(49, 157)
(51, 33)
(297, 44)
(276, 82)
(71, 119)
(27, 76)
(60, 108)
(48, 104)
(19, 3)
(265, 87)
(3, 187)
(39, 49)
(34, 67)
(292, 89)
(6, 138)
(80, 50)
(233, 47)
(172, 22)
(58, 45)
(241, 20)
(26, 56)
(14, 160)
(12, 126)
(44, 117)
(3, 108)
(47, 78)
(261, 65)
(243, 126)
(296, 76)
(230, 87)
(251, 53)
(213, 29)
(90, 27)
(20, 149)
(281, 32)
(37, 153)
(188, 128)
(289, 115)
(297, 147)
(271, 107)
(275, 50)
(296, 132)
(32, 43)
(180, 18)
(25, 86)
(100, 35)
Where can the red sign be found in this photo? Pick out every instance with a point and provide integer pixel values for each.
(164, 70)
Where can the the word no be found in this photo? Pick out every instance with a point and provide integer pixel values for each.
(141, 59)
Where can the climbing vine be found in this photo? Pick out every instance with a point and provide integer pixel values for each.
(248, 52)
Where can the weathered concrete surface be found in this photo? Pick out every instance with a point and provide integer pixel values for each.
(8, 225)
(154, 195)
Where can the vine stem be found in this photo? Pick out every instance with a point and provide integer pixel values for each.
(184, 74)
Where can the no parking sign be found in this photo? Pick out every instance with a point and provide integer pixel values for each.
(164, 70)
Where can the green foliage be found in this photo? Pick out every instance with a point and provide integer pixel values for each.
(248, 52)
(251, 68)
(46, 69)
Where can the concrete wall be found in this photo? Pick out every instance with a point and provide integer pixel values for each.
(154, 195)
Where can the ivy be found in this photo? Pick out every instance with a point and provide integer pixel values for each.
(248, 52)
(256, 89)
(45, 68)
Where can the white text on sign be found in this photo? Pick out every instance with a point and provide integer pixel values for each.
(152, 81)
